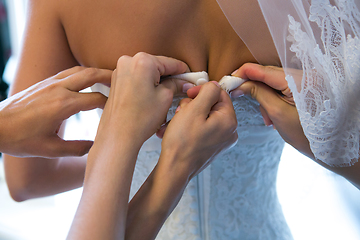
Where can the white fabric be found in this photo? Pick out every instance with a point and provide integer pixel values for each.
(319, 48)
(235, 197)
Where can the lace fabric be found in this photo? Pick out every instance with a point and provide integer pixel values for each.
(235, 197)
(321, 39)
(328, 100)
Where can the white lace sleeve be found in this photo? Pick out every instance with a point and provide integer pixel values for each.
(319, 48)
(328, 100)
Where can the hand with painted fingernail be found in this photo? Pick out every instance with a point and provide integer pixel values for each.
(201, 128)
(277, 110)
(139, 100)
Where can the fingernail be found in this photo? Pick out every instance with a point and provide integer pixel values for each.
(187, 86)
(236, 93)
(216, 83)
(234, 72)
(177, 109)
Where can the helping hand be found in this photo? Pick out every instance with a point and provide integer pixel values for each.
(277, 110)
(201, 128)
(30, 120)
(138, 103)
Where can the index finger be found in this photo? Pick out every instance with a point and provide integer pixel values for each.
(67, 72)
(193, 92)
(170, 66)
(86, 78)
(271, 76)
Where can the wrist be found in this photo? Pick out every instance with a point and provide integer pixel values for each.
(122, 135)
(166, 185)
(174, 166)
(109, 156)
(117, 139)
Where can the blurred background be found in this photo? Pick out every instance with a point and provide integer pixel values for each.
(317, 204)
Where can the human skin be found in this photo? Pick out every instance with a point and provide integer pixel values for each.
(103, 210)
(63, 34)
(280, 110)
(30, 119)
(282, 115)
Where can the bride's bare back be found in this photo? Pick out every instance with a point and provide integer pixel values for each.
(194, 31)
(64, 33)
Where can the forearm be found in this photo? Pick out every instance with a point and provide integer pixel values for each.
(351, 173)
(34, 177)
(39, 177)
(155, 200)
(103, 207)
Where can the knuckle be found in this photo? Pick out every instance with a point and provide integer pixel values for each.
(143, 60)
(141, 55)
(90, 72)
(253, 91)
(247, 65)
(66, 72)
(51, 86)
(62, 101)
(78, 68)
(122, 60)
(167, 95)
(184, 102)
(59, 103)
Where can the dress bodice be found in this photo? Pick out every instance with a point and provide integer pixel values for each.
(235, 197)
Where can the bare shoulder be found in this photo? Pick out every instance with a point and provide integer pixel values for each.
(45, 6)
(44, 50)
(49, 10)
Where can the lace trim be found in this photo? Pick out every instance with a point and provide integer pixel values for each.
(328, 100)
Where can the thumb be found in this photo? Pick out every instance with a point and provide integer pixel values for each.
(263, 94)
(270, 75)
(62, 148)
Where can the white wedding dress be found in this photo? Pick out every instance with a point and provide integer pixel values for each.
(318, 42)
(235, 197)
